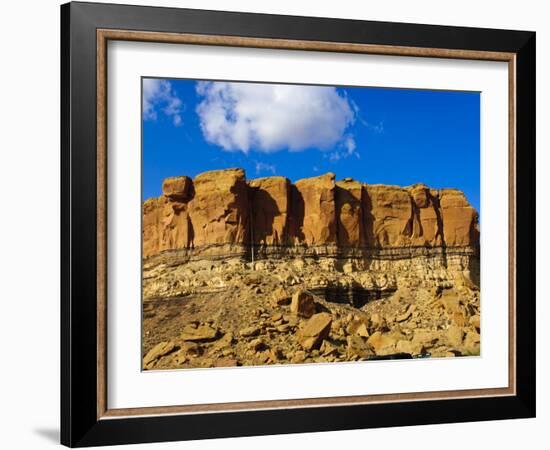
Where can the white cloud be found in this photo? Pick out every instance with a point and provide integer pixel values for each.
(350, 145)
(270, 117)
(177, 120)
(348, 148)
(158, 95)
(335, 156)
(377, 128)
(264, 167)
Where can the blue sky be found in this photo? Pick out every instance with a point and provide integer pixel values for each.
(374, 135)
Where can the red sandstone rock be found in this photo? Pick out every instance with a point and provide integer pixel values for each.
(220, 207)
(302, 304)
(151, 226)
(460, 220)
(388, 214)
(349, 195)
(166, 226)
(319, 209)
(270, 201)
(177, 188)
(427, 224)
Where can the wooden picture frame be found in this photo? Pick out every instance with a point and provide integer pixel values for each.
(86, 418)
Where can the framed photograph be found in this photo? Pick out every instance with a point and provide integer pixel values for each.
(276, 224)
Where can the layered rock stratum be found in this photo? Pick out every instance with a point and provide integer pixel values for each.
(222, 208)
(218, 246)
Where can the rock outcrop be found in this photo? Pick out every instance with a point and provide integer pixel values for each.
(166, 225)
(178, 189)
(269, 209)
(264, 271)
(350, 218)
(221, 209)
(315, 198)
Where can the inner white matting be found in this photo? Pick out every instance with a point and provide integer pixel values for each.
(129, 387)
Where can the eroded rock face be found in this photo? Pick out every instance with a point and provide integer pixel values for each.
(389, 216)
(270, 201)
(166, 226)
(220, 208)
(459, 218)
(319, 210)
(239, 272)
(427, 224)
(349, 213)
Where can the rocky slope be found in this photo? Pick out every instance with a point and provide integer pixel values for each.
(387, 271)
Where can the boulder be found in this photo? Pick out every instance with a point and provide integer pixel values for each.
(226, 362)
(281, 297)
(459, 319)
(225, 341)
(315, 330)
(191, 349)
(277, 317)
(405, 315)
(357, 347)
(179, 357)
(362, 331)
(471, 343)
(178, 189)
(475, 322)
(426, 338)
(258, 345)
(359, 326)
(302, 304)
(455, 334)
(378, 323)
(328, 349)
(297, 356)
(250, 331)
(382, 343)
(451, 304)
(158, 351)
(200, 333)
(412, 348)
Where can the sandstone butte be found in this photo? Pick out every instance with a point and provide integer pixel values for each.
(221, 208)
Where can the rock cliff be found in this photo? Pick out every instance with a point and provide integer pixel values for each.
(264, 271)
(220, 211)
